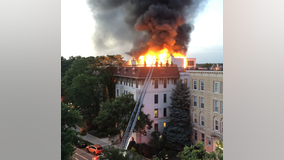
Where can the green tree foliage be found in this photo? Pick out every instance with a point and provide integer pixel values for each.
(88, 82)
(112, 153)
(69, 118)
(157, 141)
(198, 152)
(207, 65)
(66, 64)
(219, 150)
(179, 129)
(114, 116)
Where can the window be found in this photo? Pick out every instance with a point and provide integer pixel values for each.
(202, 120)
(202, 85)
(156, 99)
(133, 70)
(126, 92)
(165, 83)
(221, 87)
(216, 87)
(175, 81)
(194, 84)
(165, 98)
(156, 83)
(195, 135)
(185, 82)
(202, 137)
(221, 109)
(165, 124)
(117, 92)
(202, 102)
(195, 118)
(190, 63)
(194, 101)
(165, 112)
(222, 126)
(209, 141)
(216, 106)
(216, 125)
(156, 127)
(156, 113)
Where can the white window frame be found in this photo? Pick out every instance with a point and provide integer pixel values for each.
(194, 118)
(194, 100)
(216, 90)
(216, 111)
(194, 85)
(215, 120)
(202, 103)
(201, 85)
(202, 120)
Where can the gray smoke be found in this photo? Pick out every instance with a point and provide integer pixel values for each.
(137, 25)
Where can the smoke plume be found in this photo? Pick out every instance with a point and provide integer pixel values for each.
(138, 25)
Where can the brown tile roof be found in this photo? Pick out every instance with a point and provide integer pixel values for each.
(141, 72)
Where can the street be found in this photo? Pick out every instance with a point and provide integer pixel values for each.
(82, 154)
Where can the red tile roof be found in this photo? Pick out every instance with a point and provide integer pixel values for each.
(141, 72)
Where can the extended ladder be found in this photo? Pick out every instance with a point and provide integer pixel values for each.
(136, 111)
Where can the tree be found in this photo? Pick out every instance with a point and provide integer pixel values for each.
(88, 82)
(114, 116)
(69, 119)
(179, 129)
(157, 141)
(198, 152)
(207, 65)
(66, 64)
(119, 154)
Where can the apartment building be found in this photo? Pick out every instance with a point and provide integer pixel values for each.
(206, 91)
(157, 98)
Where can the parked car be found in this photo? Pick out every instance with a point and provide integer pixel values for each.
(81, 144)
(97, 149)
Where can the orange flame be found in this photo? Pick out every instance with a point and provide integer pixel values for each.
(152, 56)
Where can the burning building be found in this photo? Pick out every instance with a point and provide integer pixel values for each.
(131, 79)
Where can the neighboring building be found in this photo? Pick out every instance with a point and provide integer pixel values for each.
(206, 91)
(157, 98)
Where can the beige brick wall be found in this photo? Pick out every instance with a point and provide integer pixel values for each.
(209, 77)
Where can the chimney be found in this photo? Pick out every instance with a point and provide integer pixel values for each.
(156, 64)
(161, 64)
(167, 64)
(144, 63)
(133, 62)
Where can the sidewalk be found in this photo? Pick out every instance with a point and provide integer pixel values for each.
(95, 140)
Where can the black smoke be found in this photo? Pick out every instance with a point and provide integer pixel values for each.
(137, 25)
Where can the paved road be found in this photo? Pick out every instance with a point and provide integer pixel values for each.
(82, 154)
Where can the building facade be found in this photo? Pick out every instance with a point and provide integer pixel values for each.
(206, 91)
(157, 98)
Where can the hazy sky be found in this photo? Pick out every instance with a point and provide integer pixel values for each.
(77, 28)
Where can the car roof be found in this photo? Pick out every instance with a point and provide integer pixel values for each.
(97, 145)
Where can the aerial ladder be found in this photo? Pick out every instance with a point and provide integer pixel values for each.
(136, 111)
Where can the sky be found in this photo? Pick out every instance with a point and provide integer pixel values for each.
(77, 28)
